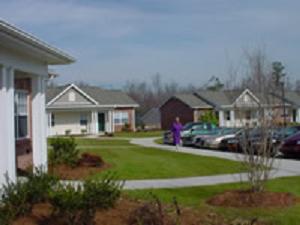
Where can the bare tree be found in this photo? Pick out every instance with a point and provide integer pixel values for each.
(261, 115)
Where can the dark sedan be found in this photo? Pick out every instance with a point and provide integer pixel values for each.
(291, 146)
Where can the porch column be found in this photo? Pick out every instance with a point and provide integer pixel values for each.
(133, 120)
(298, 116)
(221, 118)
(232, 118)
(49, 122)
(112, 122)
(7, 127)
(94, 121)
(39, 123)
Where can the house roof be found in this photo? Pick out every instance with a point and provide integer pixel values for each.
(291, 97)
(219, 98)
(98, 95)
(152, 116)
(228, 97)
(192, 101)
(18, 40)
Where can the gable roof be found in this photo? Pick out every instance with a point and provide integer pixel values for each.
(192, 101)
(17, 39)
(152, 116)
(291, 97)
(97, 95)
(219, 98)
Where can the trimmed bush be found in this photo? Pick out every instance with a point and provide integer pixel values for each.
(64, 151)
(78, 205)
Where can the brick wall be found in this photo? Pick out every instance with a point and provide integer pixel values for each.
(173, 108)
(131, 119)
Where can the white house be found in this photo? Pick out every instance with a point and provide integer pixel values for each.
(88, 110)
(237, 108)
(24, 61)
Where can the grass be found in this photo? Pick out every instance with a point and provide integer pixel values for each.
(139, 134)
(135, 162)
(197, 196)
(159, 141)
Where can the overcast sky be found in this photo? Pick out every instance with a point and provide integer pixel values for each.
(184, 40)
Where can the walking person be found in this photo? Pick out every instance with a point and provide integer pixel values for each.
(176, 129)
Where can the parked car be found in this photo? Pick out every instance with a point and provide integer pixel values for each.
(168, 136)
(217, 141)
(280, 134)
(252, 138)
(189, 137)
(291, 146)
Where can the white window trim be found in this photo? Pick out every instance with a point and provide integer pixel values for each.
(120, 116)
(28, 120)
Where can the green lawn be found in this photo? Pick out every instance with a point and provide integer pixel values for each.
(197, 196)
(139, 134)
(135, 162)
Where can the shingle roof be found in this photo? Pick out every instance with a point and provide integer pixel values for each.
(219, 98)
(102, 96)
(152, 116)
(192, 101)
(291, 97)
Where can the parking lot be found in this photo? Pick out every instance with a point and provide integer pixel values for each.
(275, 141)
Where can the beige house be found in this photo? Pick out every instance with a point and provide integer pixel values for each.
(88, 110)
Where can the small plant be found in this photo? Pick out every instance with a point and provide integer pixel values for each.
(126, 127)
(68, 132)
(64, 151)
(78, 205)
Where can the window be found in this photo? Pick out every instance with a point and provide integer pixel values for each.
(121, 118)
(83, 119)
(227, 115)
(21, 114)
(52, 119)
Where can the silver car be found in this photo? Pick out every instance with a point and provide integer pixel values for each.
(216, 141)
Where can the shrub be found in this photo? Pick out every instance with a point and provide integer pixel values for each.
(64, 151)
(209, 117)
(78, 205)
(67, 132)
(90, 160)
(19, 197)
(40, 183)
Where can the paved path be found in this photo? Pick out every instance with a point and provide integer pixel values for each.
(282, 168)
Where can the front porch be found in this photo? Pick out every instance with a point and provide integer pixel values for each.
(80, 122)
(22, 138)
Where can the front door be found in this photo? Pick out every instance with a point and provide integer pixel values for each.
(101, 122)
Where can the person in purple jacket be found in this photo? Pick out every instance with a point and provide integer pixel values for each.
(176, 129)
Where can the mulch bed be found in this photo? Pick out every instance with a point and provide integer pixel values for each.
(246, 199)
(77, 173)
(121, 213)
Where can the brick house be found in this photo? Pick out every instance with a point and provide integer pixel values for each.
(88, 110)
(24, 61)
(187, 107)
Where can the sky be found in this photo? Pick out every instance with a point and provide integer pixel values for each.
(186, 41)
